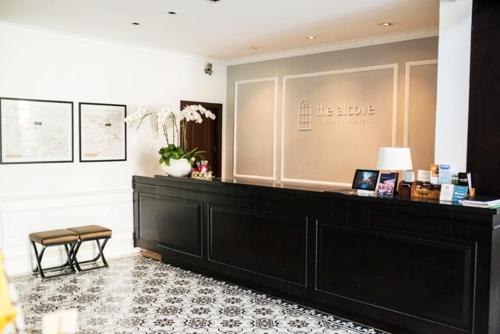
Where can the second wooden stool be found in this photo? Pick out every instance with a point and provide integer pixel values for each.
(91, 233)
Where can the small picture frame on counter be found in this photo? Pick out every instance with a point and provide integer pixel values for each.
(387, 185)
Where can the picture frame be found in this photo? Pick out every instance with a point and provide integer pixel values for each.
(36, 131)
(387, 184)
(102, 132)
(365, 179)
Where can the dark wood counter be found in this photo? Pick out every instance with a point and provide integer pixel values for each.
(399, 265)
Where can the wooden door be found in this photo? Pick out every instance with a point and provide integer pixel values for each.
(207, 136)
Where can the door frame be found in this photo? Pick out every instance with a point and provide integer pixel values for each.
(210, 106)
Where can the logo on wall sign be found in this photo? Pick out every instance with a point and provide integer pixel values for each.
(305, 115)
(344, 113)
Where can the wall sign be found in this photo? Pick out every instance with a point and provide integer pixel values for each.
(334, 114)
(334, 122)
(345, 109)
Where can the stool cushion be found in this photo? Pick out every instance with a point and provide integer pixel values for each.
(54, 237)
(92, 232)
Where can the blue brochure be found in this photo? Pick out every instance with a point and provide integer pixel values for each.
(459, 192)
(445, 175)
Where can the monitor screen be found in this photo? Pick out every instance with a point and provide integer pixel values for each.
(365, 179)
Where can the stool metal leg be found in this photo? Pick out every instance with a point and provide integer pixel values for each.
(75, 252)
(100, 255)
(69, 262)
(38, 260)
(67, 265)
(101, 251)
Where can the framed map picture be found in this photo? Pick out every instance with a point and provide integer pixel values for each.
(35, 131)
(103, 132)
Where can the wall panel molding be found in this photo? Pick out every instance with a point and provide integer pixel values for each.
(406, 114)
(20, 216)
(395, 69)
(235, 128)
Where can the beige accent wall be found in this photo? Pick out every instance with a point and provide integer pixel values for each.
(254, 128)
(420, 97)
(335, 146)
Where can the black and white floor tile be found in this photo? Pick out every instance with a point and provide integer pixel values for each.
(139, 295)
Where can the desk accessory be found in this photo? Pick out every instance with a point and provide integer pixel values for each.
(202, 171)
(394, 159)
(409, 176)
(459, 192)
(365, 179)
(404, 189)
(387, 184)
(434, 174)
(423, 175)
(446, 194)
(425, 190)
(493, 204)
(366, 193)
(445, 174)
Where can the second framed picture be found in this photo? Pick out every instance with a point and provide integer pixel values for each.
(103, 132)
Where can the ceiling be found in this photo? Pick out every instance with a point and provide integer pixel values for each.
(227, 29)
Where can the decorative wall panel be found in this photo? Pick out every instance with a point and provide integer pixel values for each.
(255, 116)
(420, 111)
(354, 112)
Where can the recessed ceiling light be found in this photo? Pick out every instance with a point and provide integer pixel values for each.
(172, 13)
(311, 37)
(213, 0)
(136, 23)
(386, 24)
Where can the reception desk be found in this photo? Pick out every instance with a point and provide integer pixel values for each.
(399, 265)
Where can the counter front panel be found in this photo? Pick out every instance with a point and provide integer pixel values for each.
(399, 265)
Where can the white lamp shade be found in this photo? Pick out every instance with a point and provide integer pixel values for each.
(394, 159)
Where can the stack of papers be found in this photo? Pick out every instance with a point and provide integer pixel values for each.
(481, 204)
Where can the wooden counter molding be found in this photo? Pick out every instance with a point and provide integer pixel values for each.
(399, 265)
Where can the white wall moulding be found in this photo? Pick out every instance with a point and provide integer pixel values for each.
(358, 43)
(22, 216)
(353, 109)
(420, 110)
(42, 32)
(255, 126)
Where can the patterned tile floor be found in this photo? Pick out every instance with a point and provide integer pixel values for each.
(138, 295)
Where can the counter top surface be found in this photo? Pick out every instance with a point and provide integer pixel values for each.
(320, 189)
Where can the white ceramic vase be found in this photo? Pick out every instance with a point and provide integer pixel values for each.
(179, 168)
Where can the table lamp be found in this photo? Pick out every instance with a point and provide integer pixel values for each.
(394, 159)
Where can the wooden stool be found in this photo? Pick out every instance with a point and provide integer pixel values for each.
(52, 238)
(90, 233)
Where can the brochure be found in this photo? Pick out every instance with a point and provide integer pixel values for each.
(446, 194)
(494, 204)
(445, 175)
(459, 192)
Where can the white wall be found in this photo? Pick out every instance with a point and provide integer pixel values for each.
(42, 65)
(453, 83)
